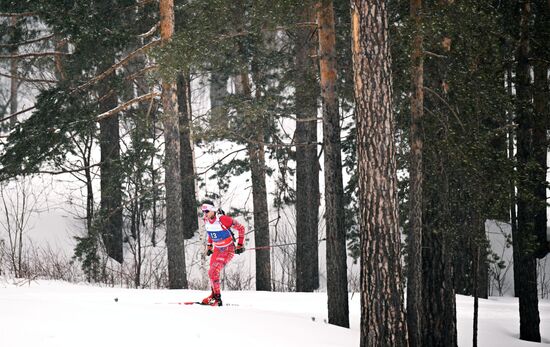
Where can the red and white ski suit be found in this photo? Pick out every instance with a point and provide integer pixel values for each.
(220, 237)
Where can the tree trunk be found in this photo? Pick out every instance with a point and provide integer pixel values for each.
(110, 182)
(527, 271)
(382, 308)
(476, 298)
(337, 285)
(218, 92)
(414, 239)
(189, 205)
(177, 276)
(256, 154)
(438, 293)
(541, 97)
(14, 82)
(512, 190)
(307, 164)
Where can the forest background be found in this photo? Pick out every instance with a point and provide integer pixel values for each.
(119, 117)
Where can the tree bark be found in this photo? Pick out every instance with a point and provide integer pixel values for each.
(307, 164)
(256, 154)
(218, 92)
(512, 189)
(337, 285)
(110, 182)
(14, 82)
(382, 307)
(177, 276)
(414, 239)
(541, 97)
(527, 272)
(189, 205)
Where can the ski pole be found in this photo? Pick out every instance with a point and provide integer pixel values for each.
(277, 245)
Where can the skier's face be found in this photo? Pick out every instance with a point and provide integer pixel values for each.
(209, 214)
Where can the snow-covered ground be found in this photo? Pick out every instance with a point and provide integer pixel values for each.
(58, 314)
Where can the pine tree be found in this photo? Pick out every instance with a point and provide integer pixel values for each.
(382, 307)
(337, 287)
(170, 121)
(307, 165)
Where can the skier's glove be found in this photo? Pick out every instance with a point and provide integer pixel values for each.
(239, 249)
(209, 250)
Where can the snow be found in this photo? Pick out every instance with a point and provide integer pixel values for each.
(59, 314)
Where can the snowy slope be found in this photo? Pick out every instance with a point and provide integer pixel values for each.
(57, 314)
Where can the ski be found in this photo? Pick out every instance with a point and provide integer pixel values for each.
(195, 303)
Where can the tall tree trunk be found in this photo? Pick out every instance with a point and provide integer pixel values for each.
(512, 189)
(177, 276)
(14, 81)
(541, 97)
(189, 205)
(438, 293)
(110, 182)
(527, 271)
(337, 284)
(414, 239)
(307, 164)
(382, 307)
(256, 154)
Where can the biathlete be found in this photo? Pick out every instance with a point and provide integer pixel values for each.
(220, 246)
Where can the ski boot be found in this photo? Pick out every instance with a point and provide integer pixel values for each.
(213, 300)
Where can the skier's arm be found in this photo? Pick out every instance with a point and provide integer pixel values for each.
(229, 222)
(240, 228)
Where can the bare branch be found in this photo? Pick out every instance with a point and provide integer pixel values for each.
(220, 160)
(150, 32)
(24, 79)
(446, 104)
(28, 42)
(126, 105)
(434, 54)
(142, 71)
(14, 14)
(17, 113)
(64, 171)
(32, 55)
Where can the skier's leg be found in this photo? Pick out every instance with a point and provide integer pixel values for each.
(218, 260)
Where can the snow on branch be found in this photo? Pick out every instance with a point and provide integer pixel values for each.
(126, 105)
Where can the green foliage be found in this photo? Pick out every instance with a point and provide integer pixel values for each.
(87, 253)
(47, 135)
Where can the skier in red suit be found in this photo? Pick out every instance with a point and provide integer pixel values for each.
(220, 245)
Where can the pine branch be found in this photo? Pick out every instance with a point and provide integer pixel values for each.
(126, 105)
(113, 68)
